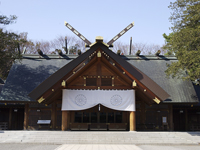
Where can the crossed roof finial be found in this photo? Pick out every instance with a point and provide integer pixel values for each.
(89, 43)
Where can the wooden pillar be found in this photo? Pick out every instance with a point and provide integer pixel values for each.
(132, 121)
(72, 116)
(53, 115)
(143, 116)
(68, 119)
(124, 118)
(171, 123)
(10, 119)
(65, 120)
(26, 116)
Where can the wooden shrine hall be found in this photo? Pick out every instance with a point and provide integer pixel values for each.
(97, 90)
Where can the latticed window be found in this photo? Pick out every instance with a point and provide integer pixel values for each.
(91, 81)
(106, 81)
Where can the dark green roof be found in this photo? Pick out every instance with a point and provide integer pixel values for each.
(32, 70)
(1, 86)
(180, 91)
(27, 74)
(1, 81)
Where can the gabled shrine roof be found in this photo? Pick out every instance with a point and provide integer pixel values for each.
(32, 70)
(61, 73)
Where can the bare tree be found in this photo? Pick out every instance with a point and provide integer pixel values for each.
(81, 45)
(49, 47)
(121, 46)
(151, 49)
(146, 49)
(30, 46)
(45, 46)
(59, 42)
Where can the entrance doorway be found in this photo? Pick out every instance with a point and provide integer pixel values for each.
(98, 118)
(17, 118)
(179, 119)
(11, 118)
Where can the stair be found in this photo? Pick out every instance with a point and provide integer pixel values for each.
(97, 137)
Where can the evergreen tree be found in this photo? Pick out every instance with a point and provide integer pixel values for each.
(184, 42)
(9, 46)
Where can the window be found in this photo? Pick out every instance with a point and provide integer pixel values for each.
(86, 117)
(102, 117)
(91, 81)
(118, 116)
(106, 81)
(111, 117)
(98, 117)
(93, 117)
(78, 117)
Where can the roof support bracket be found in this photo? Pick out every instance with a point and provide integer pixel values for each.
(156, 100)
(99, 54)
(134, 84)
(41, 99)
(63, 84)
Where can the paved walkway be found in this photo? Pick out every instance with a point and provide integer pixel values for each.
(97, 147)
(126, 147)
(4, 146)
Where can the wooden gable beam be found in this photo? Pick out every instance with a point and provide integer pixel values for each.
(118, 73)
(135, 82)
(99, 64)
(112, 67)
(70, 79)
(50, 92)
(144, 97)
(54, 97)
(67, 79)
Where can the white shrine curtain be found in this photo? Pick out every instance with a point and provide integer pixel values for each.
(123, 100)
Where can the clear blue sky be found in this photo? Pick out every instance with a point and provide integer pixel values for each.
(44, 19)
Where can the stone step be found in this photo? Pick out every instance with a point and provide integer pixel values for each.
(69, 137)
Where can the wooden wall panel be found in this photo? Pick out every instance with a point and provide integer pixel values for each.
(59, 119)
(34, 116)
(26, 116)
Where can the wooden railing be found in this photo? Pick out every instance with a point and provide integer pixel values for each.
(194, 127)
(3, 125)
(98, 126)
(79, 126)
